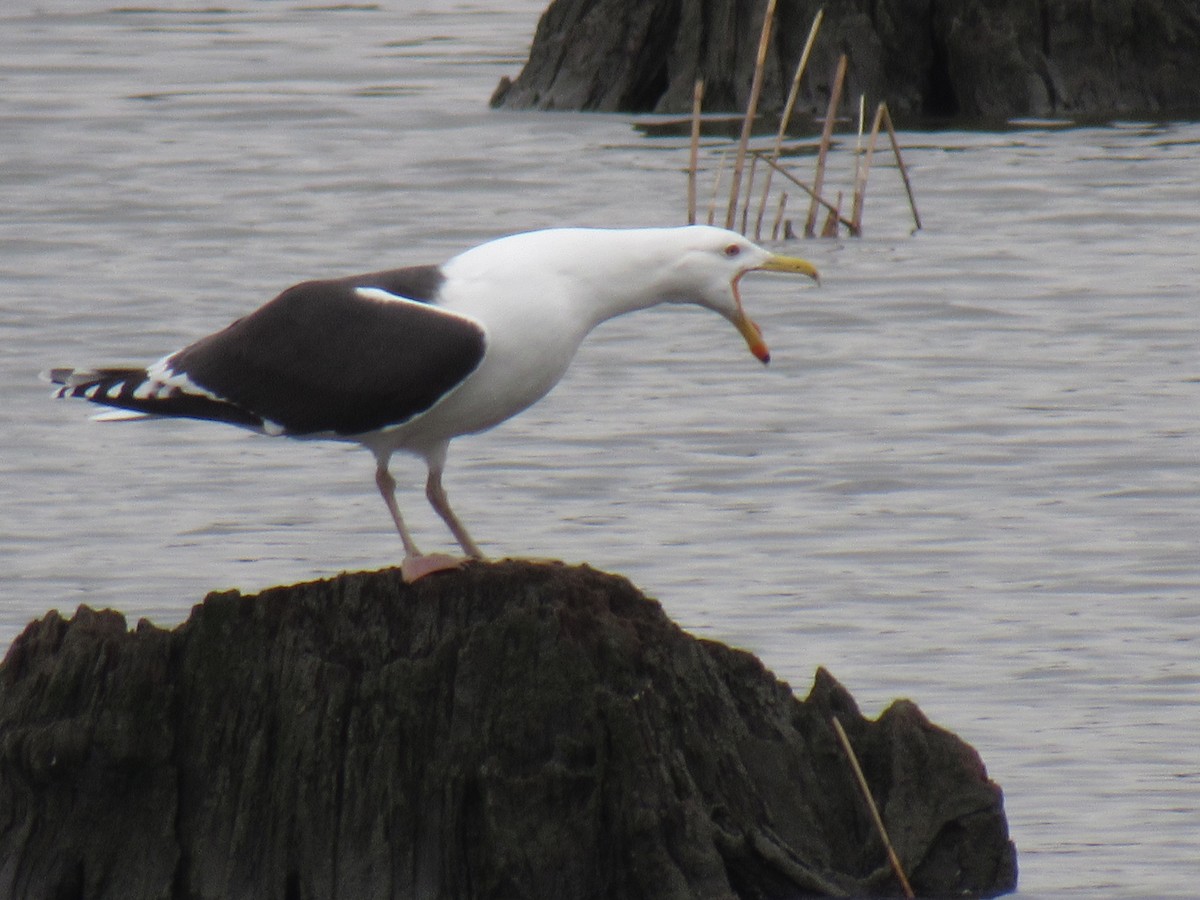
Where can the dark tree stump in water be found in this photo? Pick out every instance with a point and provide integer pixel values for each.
(505, 731)
(974, 59)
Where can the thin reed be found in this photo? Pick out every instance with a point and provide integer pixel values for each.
(912, 201)
(835, 100)
(863, 169)
(893, 859)
(760, 62)
(694, 150)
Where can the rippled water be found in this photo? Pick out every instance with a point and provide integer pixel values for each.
(969, 477)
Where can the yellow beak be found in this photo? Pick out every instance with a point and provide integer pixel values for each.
(793, 264)
(746, 326)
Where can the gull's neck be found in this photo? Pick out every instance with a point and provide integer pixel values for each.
(586, 276)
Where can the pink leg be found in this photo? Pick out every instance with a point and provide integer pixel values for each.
(436, 495)
(416, 564)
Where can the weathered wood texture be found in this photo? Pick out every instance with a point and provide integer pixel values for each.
(980, 59)
(505, 731)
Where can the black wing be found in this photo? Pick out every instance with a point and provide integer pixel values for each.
(323, 356)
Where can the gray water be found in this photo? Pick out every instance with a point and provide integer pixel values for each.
(969, 476)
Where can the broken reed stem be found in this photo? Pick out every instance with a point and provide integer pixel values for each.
(694, 154)
(831, 221)
(835, 99)
(779, 215)
(864, 169)
(866, 792)
(749, 189)
(817, 198)
(786, 119)
(760, 63)
(712, 206)
(887, 120)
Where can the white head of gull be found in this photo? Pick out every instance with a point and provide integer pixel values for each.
(408, 359)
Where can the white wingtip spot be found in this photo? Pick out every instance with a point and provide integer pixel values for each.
(162, 380)
(119, 415)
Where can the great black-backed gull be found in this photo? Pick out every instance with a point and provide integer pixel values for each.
(408, 359)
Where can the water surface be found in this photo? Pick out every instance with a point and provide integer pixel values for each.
(969, 476)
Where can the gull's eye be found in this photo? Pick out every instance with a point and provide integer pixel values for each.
(732, 250)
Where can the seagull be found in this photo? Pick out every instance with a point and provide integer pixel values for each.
(409, 359)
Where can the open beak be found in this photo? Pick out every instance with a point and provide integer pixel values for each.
(746, 326)
(793, 264)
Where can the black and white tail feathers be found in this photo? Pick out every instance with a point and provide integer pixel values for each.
(145, 391)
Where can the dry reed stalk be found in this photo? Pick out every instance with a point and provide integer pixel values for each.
(864, 169)
(779, 215)
(712, 206)
(835, 99)
(804, 187)
(749, 189)
(866, 792)
(830, 229)
(760, 63)
(862, 114)
(694, 154)
(887, 120)
(786, 118)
